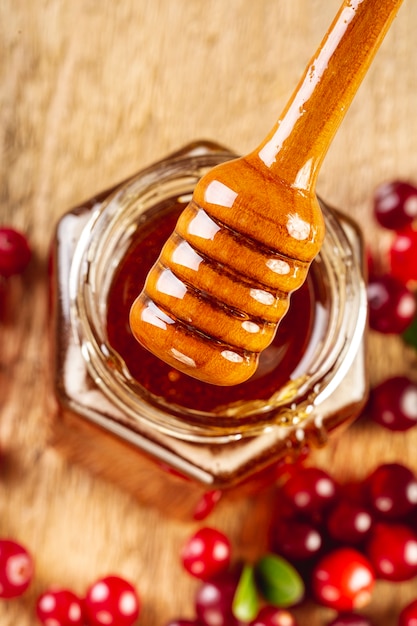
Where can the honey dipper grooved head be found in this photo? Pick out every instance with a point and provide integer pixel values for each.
(214, 298)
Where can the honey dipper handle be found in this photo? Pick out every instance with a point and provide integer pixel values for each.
(296, 146)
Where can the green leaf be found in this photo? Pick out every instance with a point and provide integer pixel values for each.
(410, 335)
(279, 582)
(245, 605)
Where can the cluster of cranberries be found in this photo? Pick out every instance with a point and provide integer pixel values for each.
(391, 297)
(346, 536)
(338, 538)
(109, 601)
(392, 300)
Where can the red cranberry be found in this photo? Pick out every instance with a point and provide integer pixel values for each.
(16, 569)
(392, 305)
(59, 607)
(207, 503)
(408, 616)
(206, 554)
(310, 490)
(214, 600)
(112, 600)
(272, 616)
(350, 619)
(403, 256)
(14, 252)
(392, 490)
(349, 522)
(343, 579)
(392, 550)
(393, 403)
(296, 539)
(395, 204)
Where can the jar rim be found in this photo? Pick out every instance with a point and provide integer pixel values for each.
(291, 404)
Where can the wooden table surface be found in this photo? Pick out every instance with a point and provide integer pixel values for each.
(90, 92)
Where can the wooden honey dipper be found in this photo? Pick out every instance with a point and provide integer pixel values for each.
(213, 300)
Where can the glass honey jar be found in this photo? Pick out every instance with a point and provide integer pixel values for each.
(158, 433)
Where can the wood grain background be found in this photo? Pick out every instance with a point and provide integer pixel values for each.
(91, 91)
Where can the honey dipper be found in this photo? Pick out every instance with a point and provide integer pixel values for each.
(213, 300)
